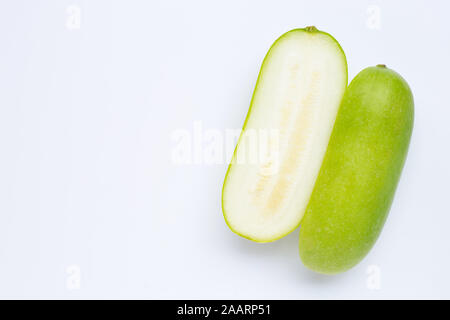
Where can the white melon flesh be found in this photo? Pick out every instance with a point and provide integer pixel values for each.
(285, 136)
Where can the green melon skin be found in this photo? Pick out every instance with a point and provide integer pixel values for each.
(360, 172)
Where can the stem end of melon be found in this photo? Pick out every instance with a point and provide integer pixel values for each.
(311, 29)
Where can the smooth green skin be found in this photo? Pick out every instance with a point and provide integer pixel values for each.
(310, 29)
(360, 172)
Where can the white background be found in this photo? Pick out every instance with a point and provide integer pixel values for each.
(91, 203)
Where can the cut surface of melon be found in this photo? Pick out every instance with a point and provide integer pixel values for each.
(285, 135)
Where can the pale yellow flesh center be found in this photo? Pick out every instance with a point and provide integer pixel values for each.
(294, 126)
